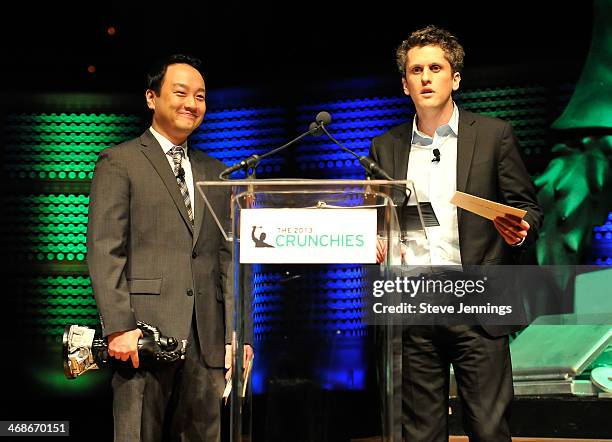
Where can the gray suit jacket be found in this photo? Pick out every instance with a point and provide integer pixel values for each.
(145, 260)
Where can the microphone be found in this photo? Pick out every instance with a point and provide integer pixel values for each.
(373, 168)
(322, 118)
(247, 163)
(436, 153)
(367, 163)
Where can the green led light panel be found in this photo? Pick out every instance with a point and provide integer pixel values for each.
(62, 146)
(48, 227)
(54, 301)
(525, 107)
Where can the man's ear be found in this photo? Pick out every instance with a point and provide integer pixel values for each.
(150, 97)
(456, 80)
(405, 86)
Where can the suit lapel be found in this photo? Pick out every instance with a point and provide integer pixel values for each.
(198, 169)
(154, 153)
(401, 153)
(466, 143)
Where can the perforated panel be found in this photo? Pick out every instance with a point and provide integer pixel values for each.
(601, 250)
(231, 135)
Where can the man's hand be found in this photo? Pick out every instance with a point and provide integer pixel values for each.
(511, 228)
(247, 354)
(381, 250)
(124, 345)
(228, 361)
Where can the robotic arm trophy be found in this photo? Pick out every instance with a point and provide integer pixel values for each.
(83, 352)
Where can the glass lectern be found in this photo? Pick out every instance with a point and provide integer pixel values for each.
(299, 252)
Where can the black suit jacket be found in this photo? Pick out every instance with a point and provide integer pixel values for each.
(145, 260)
(490, 166)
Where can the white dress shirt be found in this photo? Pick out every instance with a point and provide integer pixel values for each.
(436, 182)
(166, 145)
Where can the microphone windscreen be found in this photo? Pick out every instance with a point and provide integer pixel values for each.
(315, 133)
(324, 118)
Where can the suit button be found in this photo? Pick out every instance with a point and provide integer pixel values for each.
(194, 255)
(189, 292)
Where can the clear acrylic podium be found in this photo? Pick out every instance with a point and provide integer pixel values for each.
(304, 320)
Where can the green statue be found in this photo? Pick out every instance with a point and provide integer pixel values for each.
(575, 190)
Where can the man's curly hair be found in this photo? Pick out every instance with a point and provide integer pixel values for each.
(431, 35)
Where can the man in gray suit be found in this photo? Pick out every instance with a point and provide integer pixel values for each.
(446, 149)
(156, 255)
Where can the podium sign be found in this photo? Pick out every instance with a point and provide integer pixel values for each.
(308, 236)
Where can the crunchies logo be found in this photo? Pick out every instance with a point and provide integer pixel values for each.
(260, 242)
(306, 237)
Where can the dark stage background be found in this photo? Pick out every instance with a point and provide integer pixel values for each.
(287, 45)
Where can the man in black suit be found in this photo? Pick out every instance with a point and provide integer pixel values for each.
(477, 155)
(155, 254)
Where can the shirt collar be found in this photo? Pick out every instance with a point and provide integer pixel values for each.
(449, 129)
(165, 143)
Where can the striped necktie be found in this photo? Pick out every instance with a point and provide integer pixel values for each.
(177, 153)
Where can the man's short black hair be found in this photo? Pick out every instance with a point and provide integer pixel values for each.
(155, 77)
